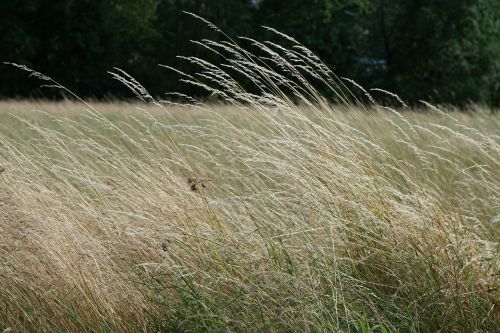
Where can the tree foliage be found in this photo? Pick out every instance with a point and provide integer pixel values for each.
(443, 51)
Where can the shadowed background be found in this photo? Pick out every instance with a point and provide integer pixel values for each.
(444, 51)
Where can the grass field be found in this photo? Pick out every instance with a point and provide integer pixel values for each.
(274, 211)
(135, 217)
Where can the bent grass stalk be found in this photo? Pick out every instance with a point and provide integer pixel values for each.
(273, 211)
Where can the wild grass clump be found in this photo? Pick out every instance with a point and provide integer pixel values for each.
(275, 210)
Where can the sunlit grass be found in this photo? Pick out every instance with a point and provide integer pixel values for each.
(305, 222)
(274, 209)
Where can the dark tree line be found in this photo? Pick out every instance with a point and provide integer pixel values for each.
(439, 50)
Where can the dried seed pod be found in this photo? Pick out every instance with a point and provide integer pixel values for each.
(165, 245)
(110, 183)
(196, 183)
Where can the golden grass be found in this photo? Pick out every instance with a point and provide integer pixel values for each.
(307, 221)
(273, 211)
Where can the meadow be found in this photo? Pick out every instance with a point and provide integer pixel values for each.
(261, 213)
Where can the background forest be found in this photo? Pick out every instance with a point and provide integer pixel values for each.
(445, 51)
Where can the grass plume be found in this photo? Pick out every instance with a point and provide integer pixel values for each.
(276, 210)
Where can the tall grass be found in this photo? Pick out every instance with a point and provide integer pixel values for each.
(273, 211)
